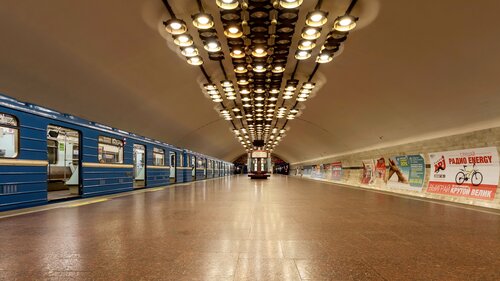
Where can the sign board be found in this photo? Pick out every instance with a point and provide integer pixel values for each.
(259, 154)
(471, 173)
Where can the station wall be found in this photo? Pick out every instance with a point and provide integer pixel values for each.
(431, 168)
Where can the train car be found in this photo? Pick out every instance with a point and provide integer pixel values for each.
(46, 156)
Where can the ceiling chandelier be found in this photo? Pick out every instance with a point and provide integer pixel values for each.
(259, 96)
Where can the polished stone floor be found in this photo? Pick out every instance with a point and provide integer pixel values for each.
(241, 229)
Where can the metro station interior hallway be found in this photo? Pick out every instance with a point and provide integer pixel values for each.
(240, 229)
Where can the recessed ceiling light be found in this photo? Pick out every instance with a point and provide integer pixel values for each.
(227, 4)
(203, 21)
(183, 40)
(345, 23)
(316, 18)
(175, 26)
(302, 55)
(212, 46)
(290, 4)
(196, 60)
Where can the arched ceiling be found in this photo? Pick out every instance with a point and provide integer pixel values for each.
(415, 69)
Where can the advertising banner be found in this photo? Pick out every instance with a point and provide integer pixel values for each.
(406, 172)
(316, 172)
(379, 171)
(368, 175)
(336, 171)
(327, 171)
(471, 173)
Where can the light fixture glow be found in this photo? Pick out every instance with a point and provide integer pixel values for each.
(311, 33)
(237, 53)
(227, 4)
(189, 51)
(345, 23)
(233, 31)
(196, 60)
(212, 46)
(175, 26)
(316, 18)
(302, 55)
(290, 4)
(183, 40)
(306, 45)
(203, 21)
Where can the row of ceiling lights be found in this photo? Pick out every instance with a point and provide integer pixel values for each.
(258, 62)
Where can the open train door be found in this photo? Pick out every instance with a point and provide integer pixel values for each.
(64, 163)
(173, 167)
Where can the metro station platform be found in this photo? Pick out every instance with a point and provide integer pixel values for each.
(235, 228)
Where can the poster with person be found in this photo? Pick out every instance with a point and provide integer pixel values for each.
(368, 174)
(379, 171)
(471, 173)
(406, 172)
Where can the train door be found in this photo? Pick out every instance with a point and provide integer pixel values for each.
(64, 162)
(193, 167)
(139, 165)
(173, 167)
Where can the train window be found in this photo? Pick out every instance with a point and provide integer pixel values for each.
(9, 136)
(193, 161)
(181, 160)
(201, 163)
(110, 150)
(158, 156)
(52, 149)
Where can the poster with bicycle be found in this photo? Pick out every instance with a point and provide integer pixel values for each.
(469, 173)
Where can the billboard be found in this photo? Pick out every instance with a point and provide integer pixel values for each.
(406, 172)
(336, 171)
(368, 174)
(471, 173)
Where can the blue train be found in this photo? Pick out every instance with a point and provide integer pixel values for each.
(48, 156)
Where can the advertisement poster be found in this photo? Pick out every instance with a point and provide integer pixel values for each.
(406, 172)
(368, 174)
(471, 173)
(316, 172)
(380, 171)
(336, 171)
(327, 171)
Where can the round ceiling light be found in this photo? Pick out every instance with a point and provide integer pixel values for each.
(240, 69)
(227, 4)
(316, 18)
(237, 53)
(302, 55)
(196, 60)
(259, 68)
(233, 31)
(306, 45)
(311, 33)
(345, 23)
(324, 57)
(203, 21)
(189, 51)
(212, 46)
(183, 40)
(278, 69)
(175, 26)
(259, 52)
(290, 4)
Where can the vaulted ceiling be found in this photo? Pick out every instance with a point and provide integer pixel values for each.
(410, 70)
